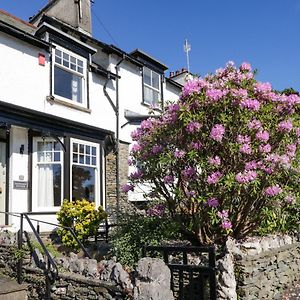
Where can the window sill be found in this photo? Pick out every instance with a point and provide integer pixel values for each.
(53, 100)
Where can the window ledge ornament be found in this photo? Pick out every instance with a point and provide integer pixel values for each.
(53, 100)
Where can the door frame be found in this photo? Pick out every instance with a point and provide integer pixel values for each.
(6, 141)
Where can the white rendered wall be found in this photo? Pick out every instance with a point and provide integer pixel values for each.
(18, 171)
(23, 81)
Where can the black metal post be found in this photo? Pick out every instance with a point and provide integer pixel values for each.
(212, 274)
(20, 246)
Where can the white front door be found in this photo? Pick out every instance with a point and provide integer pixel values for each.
(2, 181)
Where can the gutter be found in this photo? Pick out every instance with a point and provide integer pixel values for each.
(24, 36)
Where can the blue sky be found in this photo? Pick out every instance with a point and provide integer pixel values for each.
(262, 32)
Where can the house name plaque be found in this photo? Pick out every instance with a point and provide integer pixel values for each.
(20, 185)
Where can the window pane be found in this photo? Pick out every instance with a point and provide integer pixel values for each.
(81, 148)
(93, 150)
(56, 146)
(87, 160)
(83, 183)
(155, 80)
(56, 156)
(148, 95)
(81, 159)
(58, 60)
(57, 52)
(40, 156)
(75, 158)
(67, 85)
(87, 149)
(94, 161)
(147, 76)
(66, 60)
(49, 185)
(75, 147)
(40, 146)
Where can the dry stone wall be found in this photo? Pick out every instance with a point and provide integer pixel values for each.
(259, 268)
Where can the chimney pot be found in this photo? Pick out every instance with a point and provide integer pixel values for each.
(177, 72)
(171, 74)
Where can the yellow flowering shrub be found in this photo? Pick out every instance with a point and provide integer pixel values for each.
(83, 217)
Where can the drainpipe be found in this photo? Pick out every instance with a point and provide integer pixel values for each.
(118, 135)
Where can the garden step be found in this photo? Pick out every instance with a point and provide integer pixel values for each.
(10, 289)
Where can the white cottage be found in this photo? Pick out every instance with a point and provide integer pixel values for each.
(68, 103)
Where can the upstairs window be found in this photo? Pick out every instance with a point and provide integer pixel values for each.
(69, 74)
(152, 87)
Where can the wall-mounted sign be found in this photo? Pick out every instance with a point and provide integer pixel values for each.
(20, 185)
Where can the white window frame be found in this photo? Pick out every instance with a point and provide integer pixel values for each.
(156, 104)
(82, 75)
(97, 167)
(35, 163)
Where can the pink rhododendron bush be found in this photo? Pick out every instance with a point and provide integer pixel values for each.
(224, 157)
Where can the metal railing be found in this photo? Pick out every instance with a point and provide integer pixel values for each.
(50, 270)
(188, 281)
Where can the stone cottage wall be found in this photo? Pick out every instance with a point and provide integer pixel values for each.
(111, 188)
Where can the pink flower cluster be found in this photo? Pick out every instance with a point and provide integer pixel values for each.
(225, 222)
(251, 104)
(285, 126)
(273, 190)
(246, 148)
(289, 199)
(127, 187)
(157, 210)
(156, 149)
(217, 132)
(212, 202)
(246, 176)
(136, 175)
(263, 135)
(245, 66)
(263, 87)
(168, 179)
(193, 126)
(254, 124)
(243, 139)
(265, 148)
(196, 145)
(189, 172)
(215, 94)
(215, 161)
(214, 177)
(193, 86)
(179, 153)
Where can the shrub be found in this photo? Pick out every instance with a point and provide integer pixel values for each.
(222, 157)
(137, 230)
(83, 217)
(282, 219)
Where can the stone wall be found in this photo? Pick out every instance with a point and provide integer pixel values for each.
(111, 191)
(259, 268)
(78, 278)
(84, 278)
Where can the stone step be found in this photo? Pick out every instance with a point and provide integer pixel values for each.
(10, 289)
